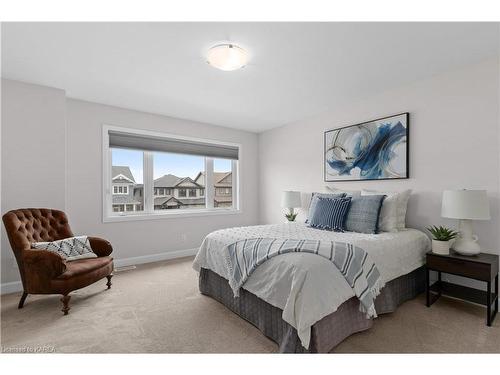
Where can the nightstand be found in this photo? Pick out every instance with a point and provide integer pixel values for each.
(482, 267)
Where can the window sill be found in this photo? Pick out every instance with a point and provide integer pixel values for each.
(169, 215)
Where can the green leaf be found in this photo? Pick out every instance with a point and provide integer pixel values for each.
(442, 233)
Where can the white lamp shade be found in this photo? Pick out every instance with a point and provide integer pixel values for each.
(290, 199)
(465, 204)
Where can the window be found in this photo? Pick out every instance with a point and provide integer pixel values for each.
(126, 180)
(120, 189)
(162, 191)
(177, 174)
(223, 181)
(149, 173)
(118, 207)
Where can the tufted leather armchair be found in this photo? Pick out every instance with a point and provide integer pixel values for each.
(45, 272)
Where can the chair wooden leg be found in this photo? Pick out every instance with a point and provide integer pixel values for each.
(65, 300)
(21, 301)
(109, 281)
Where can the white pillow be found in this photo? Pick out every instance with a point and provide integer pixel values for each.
(393, 212)
(350, 193)
(72, 248)
(388, 217)
(404, 196)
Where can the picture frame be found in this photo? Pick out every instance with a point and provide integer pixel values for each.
(372, 150)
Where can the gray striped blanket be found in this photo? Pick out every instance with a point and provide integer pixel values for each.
(353, 263)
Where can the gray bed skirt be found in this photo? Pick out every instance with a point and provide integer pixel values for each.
(326, 333)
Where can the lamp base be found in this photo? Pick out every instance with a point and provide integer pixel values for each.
(466, 247)
(466, 243)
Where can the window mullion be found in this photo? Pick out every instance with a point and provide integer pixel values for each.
(148, 182)
(235, 187)
(209, 183)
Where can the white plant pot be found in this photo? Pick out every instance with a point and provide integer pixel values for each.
(441, 247)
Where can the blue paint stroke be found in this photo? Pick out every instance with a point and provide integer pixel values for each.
(373, 159)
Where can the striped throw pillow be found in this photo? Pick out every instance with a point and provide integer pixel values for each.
(314, 202)
(330, 213)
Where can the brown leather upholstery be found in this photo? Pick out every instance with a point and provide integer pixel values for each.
(79, 272)
(45, 272)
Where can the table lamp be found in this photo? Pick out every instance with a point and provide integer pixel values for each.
(466, 205)
(290, 200)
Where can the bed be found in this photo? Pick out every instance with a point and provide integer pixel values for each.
(299, 300)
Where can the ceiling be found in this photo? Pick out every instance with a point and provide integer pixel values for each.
(296, 70)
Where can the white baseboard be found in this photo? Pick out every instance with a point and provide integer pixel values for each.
(17, 286)
(12, 287)
(154, 257)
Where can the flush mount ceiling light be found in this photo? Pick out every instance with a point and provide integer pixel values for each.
(227, 57)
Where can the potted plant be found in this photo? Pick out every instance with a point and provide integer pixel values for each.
(441, 238)
(291, 216)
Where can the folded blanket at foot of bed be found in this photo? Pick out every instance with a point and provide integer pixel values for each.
(355, 265)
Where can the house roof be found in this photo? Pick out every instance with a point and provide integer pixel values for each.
(192, 201)
(160, 201)
(218, 177)
(125, 199)
(122, 170)
(223, 199)
(170, 181)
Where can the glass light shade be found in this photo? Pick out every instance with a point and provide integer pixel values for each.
(290, 199)
(465, 204)
(227, 57)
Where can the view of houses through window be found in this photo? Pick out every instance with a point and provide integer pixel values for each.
(175, 185)
(178, 181)
(223, 195)
(127, 186)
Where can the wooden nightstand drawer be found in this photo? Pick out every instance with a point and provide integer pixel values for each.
(475, 270)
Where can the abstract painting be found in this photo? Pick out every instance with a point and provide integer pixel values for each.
(374, 150)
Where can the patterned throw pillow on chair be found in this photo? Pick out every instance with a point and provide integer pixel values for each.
(73, 248)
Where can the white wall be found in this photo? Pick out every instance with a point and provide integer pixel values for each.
(51, 157)
(454, 134)
(33, 154)
(142, 238)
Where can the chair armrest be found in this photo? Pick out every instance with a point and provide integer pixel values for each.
(100, 246)
(43, 264)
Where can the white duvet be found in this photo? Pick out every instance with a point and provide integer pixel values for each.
(305, 286)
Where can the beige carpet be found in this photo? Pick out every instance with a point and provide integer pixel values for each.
(157, 309)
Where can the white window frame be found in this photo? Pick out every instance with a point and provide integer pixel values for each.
(149, 212)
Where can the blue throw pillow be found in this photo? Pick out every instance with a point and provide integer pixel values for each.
(330, 213)
(314, 202)
(364, 214)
